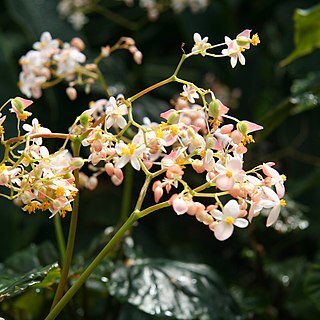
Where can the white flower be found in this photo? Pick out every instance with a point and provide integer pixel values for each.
(68, 59)
(200, 45)
(272, 201)
(46, 45)
(189, 93)
(234, 52)
(129, 152)
(34, 129)
(115, 113)
(227, 219)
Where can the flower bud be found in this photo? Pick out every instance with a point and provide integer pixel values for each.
(214, 107)
(71, 93)
(242, 127)
(84, 119)
(78, 43)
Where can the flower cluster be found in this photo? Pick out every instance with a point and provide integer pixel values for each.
(52, 61)
(37, 180)
(196, 132)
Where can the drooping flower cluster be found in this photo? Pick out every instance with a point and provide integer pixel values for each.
(37, 180)
(197, 132)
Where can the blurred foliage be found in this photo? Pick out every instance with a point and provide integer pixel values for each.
(260, 274)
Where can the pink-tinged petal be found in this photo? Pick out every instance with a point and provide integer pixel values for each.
(224, 183)
(26, 102)
(217, 214)
(280, 189)
(245, 33)
(254, 211)
(273, 216)
(227, 40)
(241, 223)
(165, 115)
(252, 126)
(231, 209)
(179, 206)
(223, 231)
(234, 164)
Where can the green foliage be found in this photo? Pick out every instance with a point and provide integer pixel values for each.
(31, 267)
(172, 289)
(307, 33)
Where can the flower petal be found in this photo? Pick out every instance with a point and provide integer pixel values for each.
(223, 230)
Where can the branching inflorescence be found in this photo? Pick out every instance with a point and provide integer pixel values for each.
(198, 133)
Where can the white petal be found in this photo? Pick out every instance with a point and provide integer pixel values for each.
(273, 216)
(122, 162)
(242, 59)
(241, 223)
(121, 122)
(135, 163)
(223, 230)
(233, 61)
(217, 214)
(231, 209)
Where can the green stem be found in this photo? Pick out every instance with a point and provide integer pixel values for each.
(153, 87)
(60, 237)
(85, 275)
(72, 234)
(127, 191)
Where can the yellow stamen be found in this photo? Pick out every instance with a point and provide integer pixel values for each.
(247, 139)
(44, 206)
(229, 174)
(159, 133)
(2, 167)
(283, 203)
(255, 40)
(283, 177)
(174, 129)
(229, 220)
(60, 192)
(129, 149)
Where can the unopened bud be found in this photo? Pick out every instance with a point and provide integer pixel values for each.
(71, 93)
(84, 119)
(214, 109)
(173, 118)
(242, 127)
(78, 43)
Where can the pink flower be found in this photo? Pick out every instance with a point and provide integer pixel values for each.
(234, 52)
(115, 113)
(276, 179)
(226, 220)
(129, 152)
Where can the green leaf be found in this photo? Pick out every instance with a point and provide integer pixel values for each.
(312, 284)
(12, 284)
(307, 33)
(172, 289)
(31, 267)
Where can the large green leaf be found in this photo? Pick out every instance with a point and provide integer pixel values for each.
(172, 289)
(33, 266)
(306, 34)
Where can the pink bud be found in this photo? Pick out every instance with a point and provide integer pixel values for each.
(109, 168)
(158, 193)
(118, 173)
(116, 181)
(179, 206)
(71, 93)
(227, 128)
(137, 56)
(78, 43)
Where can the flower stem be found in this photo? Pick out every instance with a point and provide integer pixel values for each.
(127, 191)
(60, 237)
(72, 234)
(85, 275)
